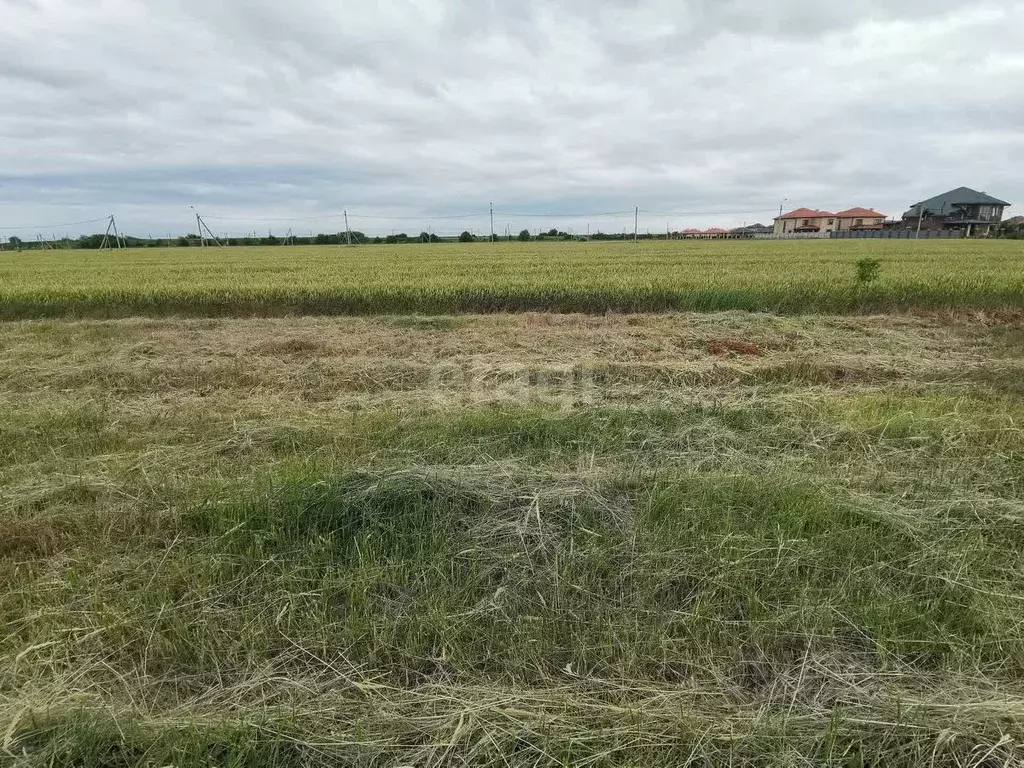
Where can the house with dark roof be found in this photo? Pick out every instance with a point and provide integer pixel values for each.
(962, 208)
(751, 230)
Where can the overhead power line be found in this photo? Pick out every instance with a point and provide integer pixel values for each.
(324, 217)
(422, 217)
(54, 226)
(277, 218)
(705, 213)
(564, 215)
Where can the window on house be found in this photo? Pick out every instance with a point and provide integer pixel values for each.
(830, 221)
(807, 222)
(858, 222)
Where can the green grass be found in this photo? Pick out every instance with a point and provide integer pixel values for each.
(287, 542)
(784, 276)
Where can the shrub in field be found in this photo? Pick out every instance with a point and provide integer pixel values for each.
(867, 270)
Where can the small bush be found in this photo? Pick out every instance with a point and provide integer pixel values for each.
(867, 270)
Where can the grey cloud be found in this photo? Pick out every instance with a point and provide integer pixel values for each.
(268, 109)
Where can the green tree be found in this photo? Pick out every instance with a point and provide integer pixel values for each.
(466, 237)
(524, 236)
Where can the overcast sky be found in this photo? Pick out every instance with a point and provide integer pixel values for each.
(700, 112)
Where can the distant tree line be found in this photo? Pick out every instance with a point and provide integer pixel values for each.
(95, 241)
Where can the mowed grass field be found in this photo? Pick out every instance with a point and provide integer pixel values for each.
(528, 538)
(783, 276)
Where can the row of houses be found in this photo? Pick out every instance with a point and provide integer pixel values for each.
(717, 233)
(965, 210)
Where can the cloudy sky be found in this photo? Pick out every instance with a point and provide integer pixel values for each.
(700, 112)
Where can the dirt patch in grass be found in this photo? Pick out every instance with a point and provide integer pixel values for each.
(730, 347)
(293, 346)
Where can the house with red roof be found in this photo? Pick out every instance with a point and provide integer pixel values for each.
(805, 221)
(812, 221)
(705, 234)
(859, 218)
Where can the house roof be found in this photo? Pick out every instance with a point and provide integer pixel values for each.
(716, 231)
(945, 202)
(691, 231)
(860, 213)
(804, 213)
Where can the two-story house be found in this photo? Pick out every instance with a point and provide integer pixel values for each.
(804, 221)
(960, 208)
(859, 218)
(808, 220)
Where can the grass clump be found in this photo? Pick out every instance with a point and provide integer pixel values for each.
(867, 270)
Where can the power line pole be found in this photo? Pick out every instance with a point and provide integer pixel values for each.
(920, 215)
(205, 233)
(348, 232)
(106, 234)
(636, 221)
(492, 222)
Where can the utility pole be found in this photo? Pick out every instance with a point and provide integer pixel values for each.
(636, 221)
(348, 232)
(106, 234)
(492, 222)
(205, 233)
(920, 215)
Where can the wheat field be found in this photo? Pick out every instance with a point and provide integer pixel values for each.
(650, 276)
